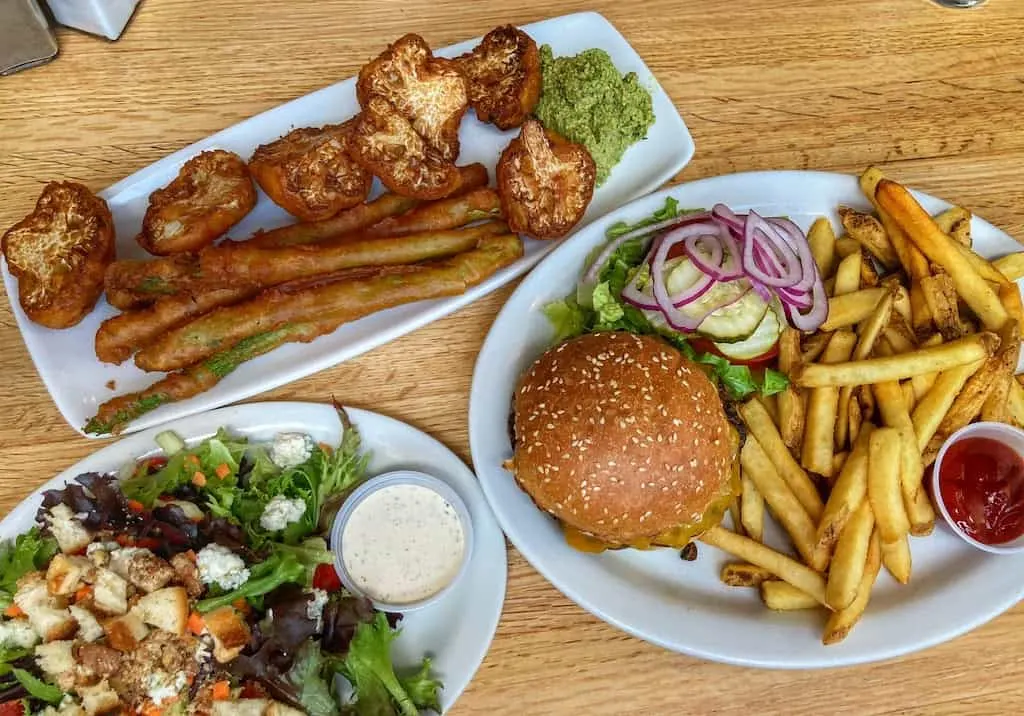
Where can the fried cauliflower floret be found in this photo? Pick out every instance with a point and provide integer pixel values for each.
(504, 76)
(212, 192)
(59, 254)
(428, 91)
(309, 173)
(385, 143)
(545, 182)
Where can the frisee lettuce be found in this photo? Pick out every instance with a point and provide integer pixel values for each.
(26, 553)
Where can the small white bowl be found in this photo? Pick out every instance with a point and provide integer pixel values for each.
(389, 479)
(1007, 435)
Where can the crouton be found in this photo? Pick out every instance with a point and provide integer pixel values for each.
(430, 92)
(46, 614)
(99, 699)
(57, 662)
(125, 632)
(97, 660)
(241, 707)
(229, 631)
(212, 192)
(165, 609)
(59, 254)
(276, 708)
(71, 535)
(67, 573)
(89, 628)
(142, 568)
(188, 574)
(110, 593)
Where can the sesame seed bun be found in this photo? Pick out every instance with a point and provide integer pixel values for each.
(621, 437)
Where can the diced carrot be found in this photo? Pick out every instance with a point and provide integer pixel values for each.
(221, 691)
(125, 540)
(14, 611)
(199, 479)
(192, 459)
(136, 506)
(151, 710)
(195, 623)
(242, 605)
(83, 593)
(223, 470)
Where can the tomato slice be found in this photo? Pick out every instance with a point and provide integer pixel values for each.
(703, 345)
(12, 708)
(326, 578)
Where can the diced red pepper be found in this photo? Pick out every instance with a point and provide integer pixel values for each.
(12, 708)
(326, 578)
(155, 464)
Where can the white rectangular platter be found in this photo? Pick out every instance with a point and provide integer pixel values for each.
(78, 381)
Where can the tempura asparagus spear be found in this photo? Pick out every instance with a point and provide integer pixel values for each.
(466, 269)
(450, 213)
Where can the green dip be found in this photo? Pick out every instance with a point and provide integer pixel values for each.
(585, 99)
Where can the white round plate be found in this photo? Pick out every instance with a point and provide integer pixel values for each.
(682, 605)
(455, 631)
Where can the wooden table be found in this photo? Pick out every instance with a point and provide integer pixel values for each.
(935, 96)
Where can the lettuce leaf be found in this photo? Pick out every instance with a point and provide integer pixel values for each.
(313, 691)
(568, 318)
(26, 553)
(668, 211)
(773, 382)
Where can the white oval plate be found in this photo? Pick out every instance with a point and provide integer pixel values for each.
(682, 605)
(455, 631)
(79, 388)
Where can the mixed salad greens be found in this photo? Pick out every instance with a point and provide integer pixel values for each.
(241, 526)
(736, 359)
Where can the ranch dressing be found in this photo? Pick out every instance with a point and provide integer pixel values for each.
(403, 543)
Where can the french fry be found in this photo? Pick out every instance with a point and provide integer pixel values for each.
(770, 403)
(790, 400)
(923, 383)
(956, 223)
(902, 304)
(919, 512)
(742, 574)
(907, 391)
(847, 275)
(869, 233)
(785, 568)
(920, 314)
(855, 418)
(884, 491)
(784, 597)
(837, 462)
(751, 508)
(1015, 404)
(847, 568)
(822, 405)
(868, 273)
(850, 308)
(964, 351)
(839, 624)
(822, 241)
(848, 492)
(936, 403)
(896, 558)
(846, 246)
(943, 304)
(813, 347)
(1011, 266)
(899, 335)
(783, 503)
(761, 427)
(942, 250)
(867, 402)
(734, 515)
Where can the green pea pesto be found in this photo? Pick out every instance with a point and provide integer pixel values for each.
(585, 99)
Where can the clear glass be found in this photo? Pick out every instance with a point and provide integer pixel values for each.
(959, 3)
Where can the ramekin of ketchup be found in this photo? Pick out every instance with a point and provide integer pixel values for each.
(978, 483)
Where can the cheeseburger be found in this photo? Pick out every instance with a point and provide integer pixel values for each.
(624, 441)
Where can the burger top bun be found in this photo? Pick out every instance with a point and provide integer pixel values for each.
(620, 437)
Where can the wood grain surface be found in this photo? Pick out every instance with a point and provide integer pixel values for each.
(935, 96)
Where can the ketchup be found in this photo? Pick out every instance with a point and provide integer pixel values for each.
(982, 484)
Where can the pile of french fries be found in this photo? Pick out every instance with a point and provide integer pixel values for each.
(922, 338)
